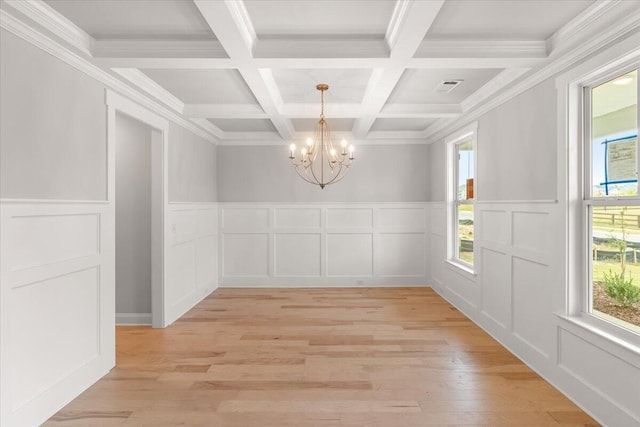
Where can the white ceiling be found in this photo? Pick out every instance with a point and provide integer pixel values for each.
(135, 19)
(204, 86)
(245, 71)
(418, 86)
(328, 17)
(504, 20)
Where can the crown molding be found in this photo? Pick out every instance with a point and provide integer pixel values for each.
(504, 78)
(621, 19)
(224, 111)
(29, 34)
(209, 127)
(406, 111)
(50, 19)
(145, 83)
(441, 48)
(258, 136)
(395, 134)
(580, 26)
(117, 48)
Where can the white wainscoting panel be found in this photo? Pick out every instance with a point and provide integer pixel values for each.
(349, 255)
(496, 286)
(323, 244)
(402, 254)
(297, 255)
(601, 371)
(530, 297)
(245, 255)
(519, 264)
(297, 218)
(349, 217)
(56, 304)
(192, 258)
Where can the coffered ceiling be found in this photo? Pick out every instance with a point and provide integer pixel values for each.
(245, 71)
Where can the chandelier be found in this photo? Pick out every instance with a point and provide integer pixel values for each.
(319, 163)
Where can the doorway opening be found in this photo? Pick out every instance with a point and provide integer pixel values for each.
(138, 220)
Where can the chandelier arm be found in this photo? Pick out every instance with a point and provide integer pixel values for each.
(304, 177)
(337, 175)
(322, 157)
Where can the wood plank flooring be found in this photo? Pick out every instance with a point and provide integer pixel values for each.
(319, 357)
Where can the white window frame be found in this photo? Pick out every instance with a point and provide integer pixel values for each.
(574, 186)
(469, 132)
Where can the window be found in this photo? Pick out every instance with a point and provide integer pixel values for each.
(611, 205)
(461, 194)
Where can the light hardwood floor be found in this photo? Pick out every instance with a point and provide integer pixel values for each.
(319, 357)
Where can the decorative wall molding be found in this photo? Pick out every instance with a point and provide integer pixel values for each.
(57, 282)
(192, 256)
(320, 244)
(518, 261)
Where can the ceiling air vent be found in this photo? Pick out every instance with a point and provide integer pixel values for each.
(448, 85)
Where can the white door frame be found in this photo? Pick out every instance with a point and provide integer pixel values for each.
(119, 104)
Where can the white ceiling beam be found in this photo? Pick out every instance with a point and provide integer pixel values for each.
(224, 111)
(419, 111)
(176, 63)
(313, 110)
(165, 63)
(233, 29)
(321, 47)
(133, 48)
(534, 50)
(410, 22)
(145, 83)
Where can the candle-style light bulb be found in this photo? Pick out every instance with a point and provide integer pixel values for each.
(344, 146)
(292, 147)
(304, 153)
(351, 150)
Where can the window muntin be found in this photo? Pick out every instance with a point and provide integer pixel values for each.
(611, 206)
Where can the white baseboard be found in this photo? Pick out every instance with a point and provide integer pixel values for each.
(133, 319)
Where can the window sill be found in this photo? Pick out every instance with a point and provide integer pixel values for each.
(465, 268)
(612, 343)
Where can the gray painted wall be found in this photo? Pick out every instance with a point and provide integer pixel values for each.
(516, 150)
(391, 173)
(133, 216)
(437, 162)
(53, 133)
(192, 167)
(517, 145)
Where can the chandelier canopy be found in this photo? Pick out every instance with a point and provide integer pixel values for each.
(319, 162)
